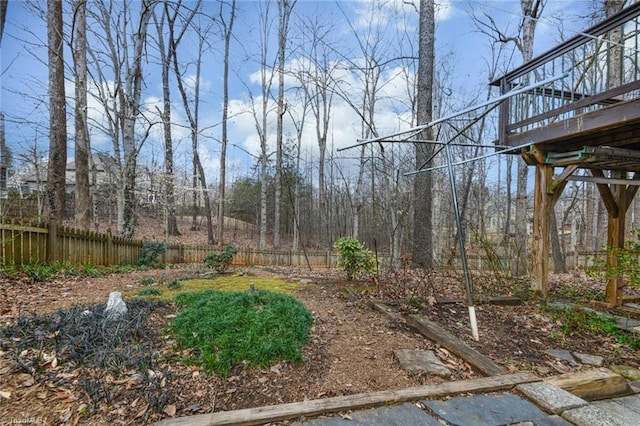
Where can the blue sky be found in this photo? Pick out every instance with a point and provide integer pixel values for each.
(460, 47)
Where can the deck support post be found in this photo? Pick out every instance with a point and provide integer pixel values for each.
(615, 199)
(546, 194)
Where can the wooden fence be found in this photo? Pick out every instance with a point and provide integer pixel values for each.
(22, 244)
(30, 243)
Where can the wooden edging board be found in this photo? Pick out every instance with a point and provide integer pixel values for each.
(434, 332)
(274, 413)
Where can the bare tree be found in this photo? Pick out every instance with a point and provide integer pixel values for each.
(3, 16)
(167, 51)
(260, 114)
(83, 201)
(193, 116)
(56, 170)
(285, 7)
(423, 213)
(317, 80)
(120, 94)
(227, 31)
(531, 12)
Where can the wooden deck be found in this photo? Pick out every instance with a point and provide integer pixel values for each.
(587, 117)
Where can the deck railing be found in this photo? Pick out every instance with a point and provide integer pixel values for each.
(598, 67)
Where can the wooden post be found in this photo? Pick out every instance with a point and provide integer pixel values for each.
(541, 239)
(615, 242)
(109, 254)
(546, 194)
(52, 242)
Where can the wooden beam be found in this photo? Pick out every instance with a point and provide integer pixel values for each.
(434, 332)
(592, 384)
(559, 182)
(275, 413)
(632, 189)
(605, 193)
(624, 114)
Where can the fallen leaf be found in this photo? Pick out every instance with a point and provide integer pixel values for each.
(170, 410)
(5, 394)
(142, 411)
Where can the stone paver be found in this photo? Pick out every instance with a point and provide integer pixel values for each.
(590, 415)
(626, 408)
(487, 410)
(589, 359)
(413, 360)
(406, 414)
(550, 397)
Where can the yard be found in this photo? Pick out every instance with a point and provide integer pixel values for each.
(350, 348)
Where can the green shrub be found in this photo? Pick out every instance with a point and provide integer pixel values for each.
(149, 291)
(354, 258)
(147, 281)
(628, 264)
(175, 285)
(220, 261)
(149, 253)
(226, 329)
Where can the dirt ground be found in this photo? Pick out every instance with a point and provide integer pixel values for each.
(350, 351)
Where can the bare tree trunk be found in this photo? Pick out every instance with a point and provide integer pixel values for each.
(57, 115)
(83, 201)
(228, 31)
(3, 16)
(166, 57)
(531, 11)
(130, 99)
(423, 207)
(194, 116)
(284, 12)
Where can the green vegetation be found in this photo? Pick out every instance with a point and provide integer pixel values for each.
(627, 265)
(41, 272)
(221, 282)
(175, 285)
(147, 281)
(354, 258)
(149, 291)
(220, 261)
(149, 253)
(574, 320)
(230, 328)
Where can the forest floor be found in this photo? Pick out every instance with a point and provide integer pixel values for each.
(350, 349)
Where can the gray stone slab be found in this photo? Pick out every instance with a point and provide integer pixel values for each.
(550, 397)
(590, 415)
(412, 360)
(561, 354)
(487, 410)
(627, 323)
(627, 405)
(549, 421)
(589, 359)
(397, 415)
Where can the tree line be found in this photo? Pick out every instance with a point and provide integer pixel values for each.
(112, 51)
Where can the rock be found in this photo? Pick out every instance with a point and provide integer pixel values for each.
(563, 355)
(414, 361)
(115, 306)
(630, 373)
(589, 359)
(306, 281)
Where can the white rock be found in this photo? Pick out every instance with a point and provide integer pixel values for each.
(115, 306)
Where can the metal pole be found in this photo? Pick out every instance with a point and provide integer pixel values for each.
(463, 251)
(496, 100)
